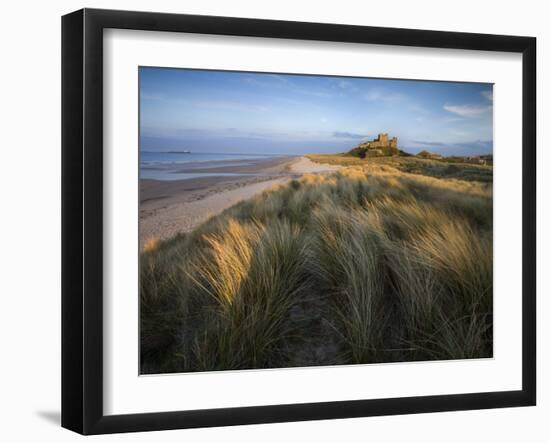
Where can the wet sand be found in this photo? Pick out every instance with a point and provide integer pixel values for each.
(170, 207)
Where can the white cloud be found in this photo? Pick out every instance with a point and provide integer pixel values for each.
(281, 82)
(161, 98)
(488, 95)
(468, 111)
(221, 105)
(380, 95)
(418, 109)
(344, 84)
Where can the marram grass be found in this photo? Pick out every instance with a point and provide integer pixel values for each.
(368, 264)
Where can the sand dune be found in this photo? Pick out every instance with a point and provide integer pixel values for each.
(305, 166)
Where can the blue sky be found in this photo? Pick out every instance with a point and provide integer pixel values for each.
(240, 112)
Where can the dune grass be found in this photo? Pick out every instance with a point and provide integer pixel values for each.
(416, 165)
(384, 265)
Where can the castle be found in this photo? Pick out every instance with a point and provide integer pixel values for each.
(382, 145)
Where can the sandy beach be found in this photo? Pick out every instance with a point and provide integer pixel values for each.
(168, 207)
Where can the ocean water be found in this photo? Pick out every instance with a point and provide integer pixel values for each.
(168, 165)
(148, 158)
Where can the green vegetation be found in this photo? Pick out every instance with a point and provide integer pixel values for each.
(386, 260)
(416, 165)
(362, 152)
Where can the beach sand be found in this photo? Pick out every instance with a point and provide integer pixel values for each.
(170, 207)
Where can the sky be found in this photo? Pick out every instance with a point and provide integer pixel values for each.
(242, 112)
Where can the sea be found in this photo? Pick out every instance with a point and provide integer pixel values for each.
(182, 166)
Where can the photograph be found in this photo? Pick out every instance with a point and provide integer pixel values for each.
(298, 220)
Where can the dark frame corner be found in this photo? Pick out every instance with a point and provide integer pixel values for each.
(82, 152)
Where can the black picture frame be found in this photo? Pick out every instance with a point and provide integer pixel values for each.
(82, 218)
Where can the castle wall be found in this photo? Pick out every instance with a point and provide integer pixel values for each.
(378, 145)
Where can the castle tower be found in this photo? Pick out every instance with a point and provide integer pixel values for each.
(383, 139)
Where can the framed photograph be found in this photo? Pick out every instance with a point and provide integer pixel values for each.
(268, 221)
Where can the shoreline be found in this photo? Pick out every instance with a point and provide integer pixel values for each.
(174, 206)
